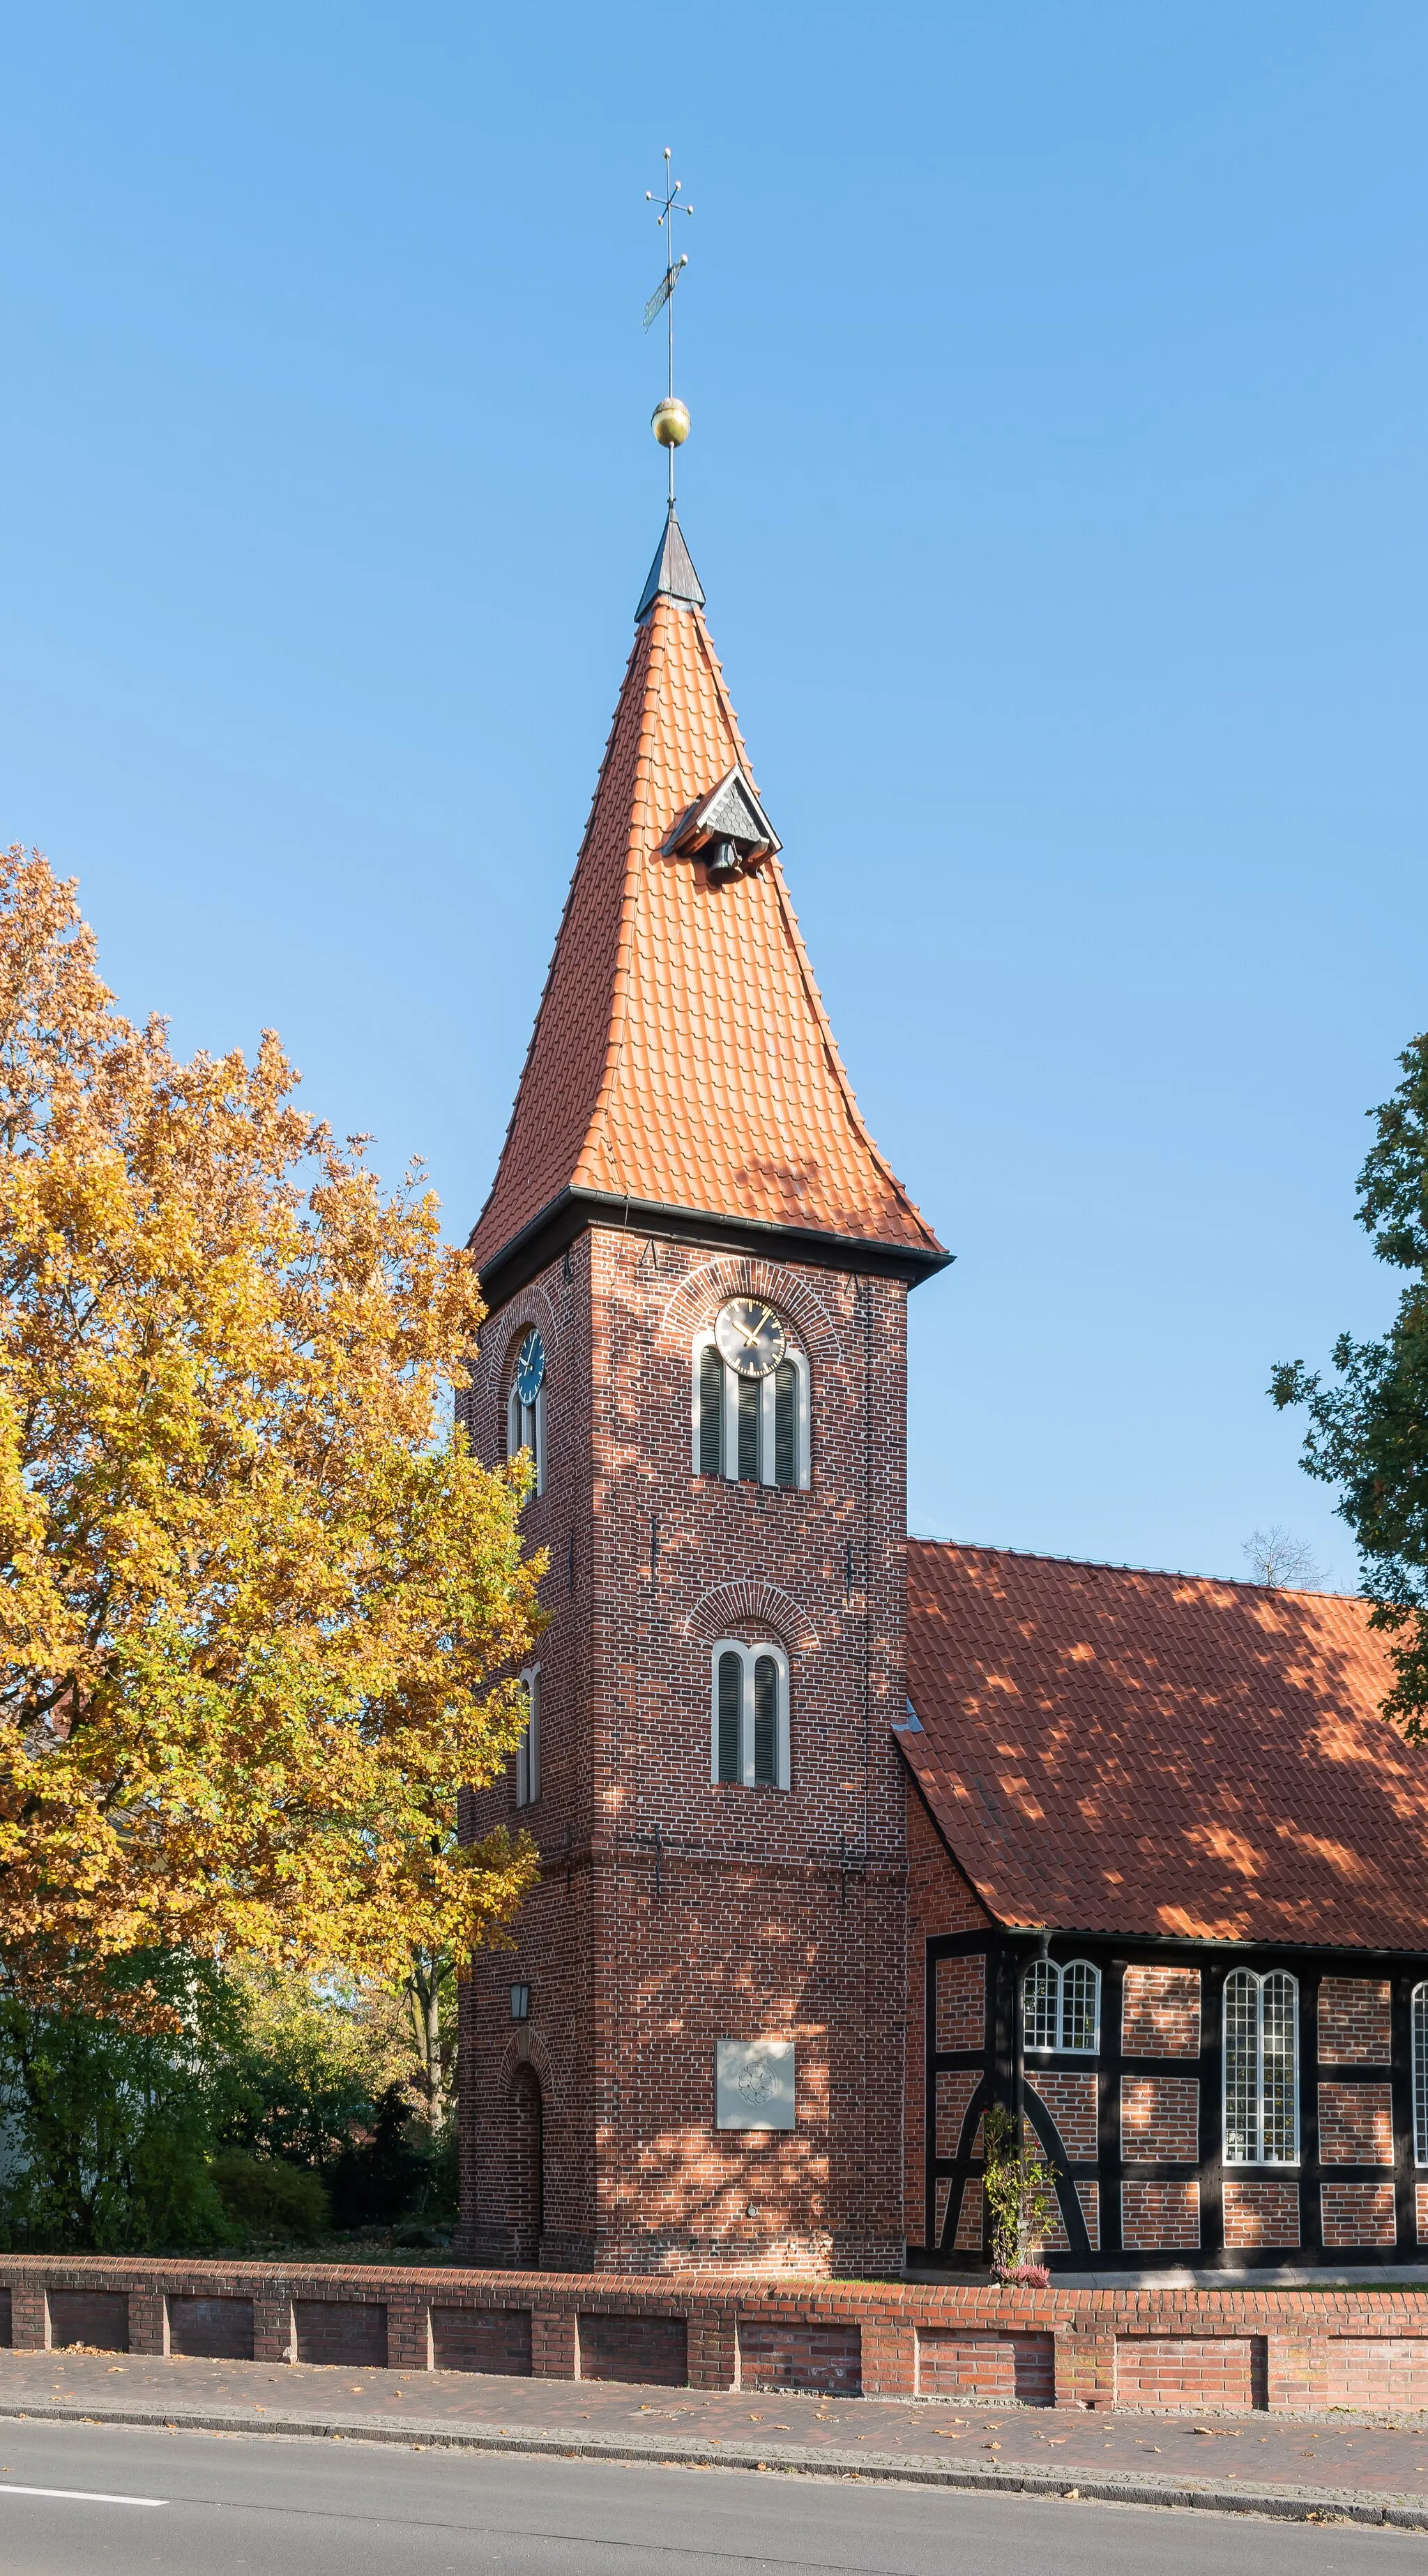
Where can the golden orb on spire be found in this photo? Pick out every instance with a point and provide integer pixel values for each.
(670, 421)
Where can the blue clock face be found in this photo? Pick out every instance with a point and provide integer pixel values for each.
(530, 1367)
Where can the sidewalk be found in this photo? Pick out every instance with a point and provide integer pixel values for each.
(1369, 2468)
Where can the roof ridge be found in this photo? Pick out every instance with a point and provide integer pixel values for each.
(1123, 1565)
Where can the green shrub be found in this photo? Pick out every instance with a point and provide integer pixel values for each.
(266, 2197)
(109, 2129)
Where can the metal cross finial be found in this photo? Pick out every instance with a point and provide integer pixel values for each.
(676, 424)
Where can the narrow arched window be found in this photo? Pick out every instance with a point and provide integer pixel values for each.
(751, 1414)
(729, 1715)
(1061, 2007)
(709, 1412)
(528, 1750)
(1420, 2075)
(1261, 2068)
(525, 1404)
(749, 1740)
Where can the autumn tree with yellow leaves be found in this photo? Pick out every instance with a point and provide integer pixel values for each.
(260, 1606)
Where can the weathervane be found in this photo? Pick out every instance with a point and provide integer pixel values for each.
(669, 419)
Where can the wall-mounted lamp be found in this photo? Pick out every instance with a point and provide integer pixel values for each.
(520, 2003)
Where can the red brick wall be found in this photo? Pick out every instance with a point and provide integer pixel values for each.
(1160, 2118)
(1071, 2100)
(1354, 2021)
(1160, 2012)
(768, 1913)
(1329, 2347)
(1260, 2213)
(1376, 2370)
(1355, 2124)
(1014, 2369)
(961, 2001)
(1158, 2216)
(955, 2088)
(968, 2239)
(1190, 2370)
(1358, 2213)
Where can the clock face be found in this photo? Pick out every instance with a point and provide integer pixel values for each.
(530, 1367)
(750, 1336)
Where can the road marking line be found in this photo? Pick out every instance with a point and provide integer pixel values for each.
(79, 2495)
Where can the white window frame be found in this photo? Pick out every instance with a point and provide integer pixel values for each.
(528, 1749)
(1057, 1970)
(749, 1656)
(802, 1426)
(1419, 2025)
(527, 1433)
(1259, 1980)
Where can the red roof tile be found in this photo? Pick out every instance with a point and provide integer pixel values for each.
(682, 1055)
(1113, 1751)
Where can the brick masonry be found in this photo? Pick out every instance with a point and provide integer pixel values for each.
(1357, 2213)
(1157, 2215)
(1071, 2101)
(1260, 2213)
(1160, 2012)
(1160, 2119)
(954, 2090)
(1308, 2348)
(792, 1906)
(1355, 2124)
(1354, 2021)
(961, 2002)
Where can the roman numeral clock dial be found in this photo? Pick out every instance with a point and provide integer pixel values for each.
(750, 1336)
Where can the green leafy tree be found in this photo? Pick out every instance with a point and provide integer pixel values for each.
(1368, 1425)
(107, 2130)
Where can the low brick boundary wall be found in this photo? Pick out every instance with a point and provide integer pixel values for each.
(1284, 2349)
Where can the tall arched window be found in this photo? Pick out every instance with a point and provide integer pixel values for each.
(1261, 2068)
(525, 1404)
(1062, 2007)
(1420, 2075)
(528, 1750)
(748, 1736)
(750, 1414)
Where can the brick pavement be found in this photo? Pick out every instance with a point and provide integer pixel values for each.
(1314, 2461)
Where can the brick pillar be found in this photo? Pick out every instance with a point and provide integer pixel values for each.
(408, 2332)
(29, 2317)
(148, 2321)
(1287, 2372)
(555, 2352)
(274, 2327)
(1084, 2362)
(713, 2348)
(889, 2357)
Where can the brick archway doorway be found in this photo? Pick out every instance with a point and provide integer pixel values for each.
(527, 2165)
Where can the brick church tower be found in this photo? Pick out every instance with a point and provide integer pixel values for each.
(696, 1263)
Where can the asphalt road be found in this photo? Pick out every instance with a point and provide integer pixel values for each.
(131, 2502)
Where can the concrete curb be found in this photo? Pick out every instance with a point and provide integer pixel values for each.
(1284, 2504)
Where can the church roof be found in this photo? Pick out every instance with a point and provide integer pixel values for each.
(1108, 1751)
(682, 1058)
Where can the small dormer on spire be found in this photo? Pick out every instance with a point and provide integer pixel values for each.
(672, 575)
(728, 829)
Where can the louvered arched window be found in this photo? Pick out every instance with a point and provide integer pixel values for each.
(751, 1429)
(1061, 2007)
(1261, 2068)
(748, 1735)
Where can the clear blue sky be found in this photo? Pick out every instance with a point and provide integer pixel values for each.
(1057, 486)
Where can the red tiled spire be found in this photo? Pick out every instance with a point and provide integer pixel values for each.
(682, 1058)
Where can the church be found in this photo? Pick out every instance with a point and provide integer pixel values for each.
(845, 1836)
